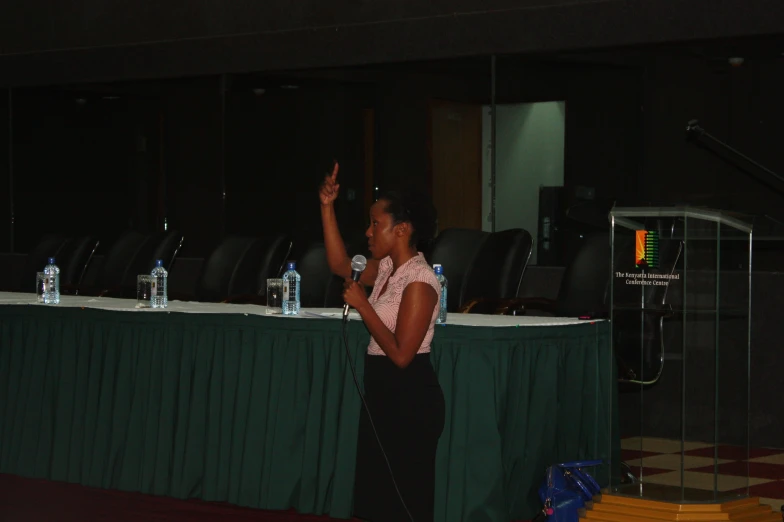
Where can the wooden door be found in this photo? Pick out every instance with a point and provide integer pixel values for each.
(455, 136)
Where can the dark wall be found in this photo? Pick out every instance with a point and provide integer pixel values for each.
(100, 23)
(738, 105)
(5, 194)
(192, 150)
(626, 127)
(280, 145)
(402, 137)
(111, 159)
(77, 165)
(604, 132)
(143, 39)
(170, 148)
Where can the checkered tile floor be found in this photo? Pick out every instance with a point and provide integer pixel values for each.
(661, 463)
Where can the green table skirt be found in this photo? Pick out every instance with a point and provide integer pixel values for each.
(263, 412)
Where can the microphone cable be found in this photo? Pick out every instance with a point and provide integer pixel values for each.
(370, 418)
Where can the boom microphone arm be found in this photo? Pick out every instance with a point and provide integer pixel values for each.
(696, 133)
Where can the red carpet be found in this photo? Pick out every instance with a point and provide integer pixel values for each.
(33, 500)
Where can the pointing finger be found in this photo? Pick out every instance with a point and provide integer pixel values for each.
(335, 170)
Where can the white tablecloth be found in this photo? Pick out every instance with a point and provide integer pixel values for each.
(129, 305)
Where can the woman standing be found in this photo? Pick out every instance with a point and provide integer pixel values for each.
(405, 400)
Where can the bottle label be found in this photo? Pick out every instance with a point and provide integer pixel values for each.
(285, 291)
(153, 286)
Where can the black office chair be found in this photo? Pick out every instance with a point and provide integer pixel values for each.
(277, 250)
(118, 266)
(497, 270)
(583, 291)
(585, 283)
(50, 245)
(274, 252)
(456, 249)
(231, 270)
(149, 248)
(320, 288)
(167, 246)
(75, 257)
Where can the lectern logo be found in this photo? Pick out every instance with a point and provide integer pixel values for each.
(647, 249)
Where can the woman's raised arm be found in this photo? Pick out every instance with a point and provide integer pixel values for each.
(337, 257)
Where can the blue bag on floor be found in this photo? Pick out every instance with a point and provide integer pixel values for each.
(566, 489)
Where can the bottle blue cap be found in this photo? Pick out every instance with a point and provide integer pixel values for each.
(438, 269)
(292, 265)
(51, 260)
(159, 262)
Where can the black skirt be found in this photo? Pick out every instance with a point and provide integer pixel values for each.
(407, 406)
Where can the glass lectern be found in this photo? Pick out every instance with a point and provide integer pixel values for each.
(680, 309)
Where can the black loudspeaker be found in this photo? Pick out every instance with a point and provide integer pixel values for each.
(566, 216)
(549, 250)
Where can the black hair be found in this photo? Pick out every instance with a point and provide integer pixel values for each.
(408, 206)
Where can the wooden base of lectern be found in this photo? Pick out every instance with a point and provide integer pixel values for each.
(612, 508)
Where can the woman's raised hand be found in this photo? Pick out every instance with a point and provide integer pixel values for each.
(328, 192)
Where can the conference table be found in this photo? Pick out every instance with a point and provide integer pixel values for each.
(222, 402)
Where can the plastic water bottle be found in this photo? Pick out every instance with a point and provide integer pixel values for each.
(291, 284)
(52, 282)
(439, 270)
(159, 290)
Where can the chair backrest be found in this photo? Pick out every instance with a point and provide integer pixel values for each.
(231, 269)
(50, 245)
(167, 247)
(275, 253)
(498, 268)
(121, 259)
(320, 288)
(585, 282)
(455, 249)
(76, 256)
(164, 245)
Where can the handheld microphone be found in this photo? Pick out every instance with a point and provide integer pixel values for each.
(358, 265)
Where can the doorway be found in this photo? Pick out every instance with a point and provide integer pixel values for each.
(530, 140)
(455, 143)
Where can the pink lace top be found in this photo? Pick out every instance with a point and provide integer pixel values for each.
(387, 306)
